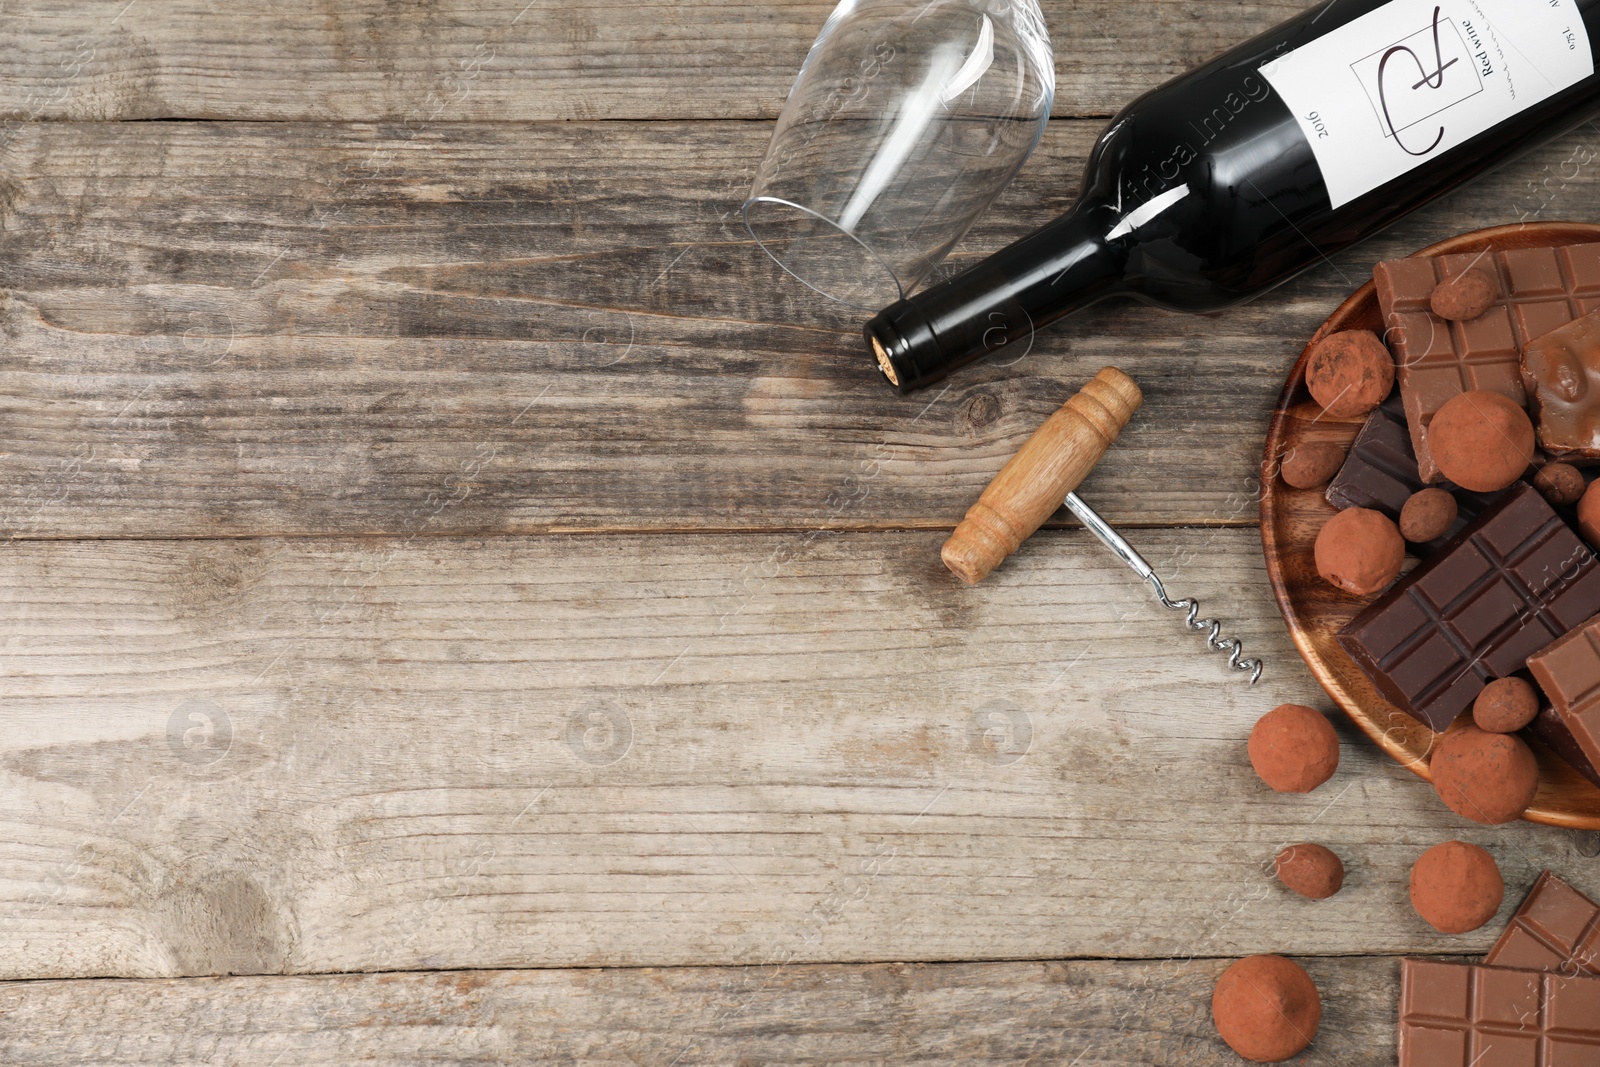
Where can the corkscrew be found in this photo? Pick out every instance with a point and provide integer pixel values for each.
(1212, 628)
(1045, 473)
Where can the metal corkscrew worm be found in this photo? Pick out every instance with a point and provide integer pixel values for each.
(1212, 628)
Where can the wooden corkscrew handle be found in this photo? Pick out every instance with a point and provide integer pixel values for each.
(1052, 463)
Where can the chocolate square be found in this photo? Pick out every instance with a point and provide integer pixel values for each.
(1504, 996)
(1575, 1006)
(1446, 994)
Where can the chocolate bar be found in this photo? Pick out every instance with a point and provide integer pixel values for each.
(1548, 728)
(1561, 373)
(1538, 290)
(1568, 671)
(1556, 929)
(1470, 1015)
(1380, 471)
(1515, 579)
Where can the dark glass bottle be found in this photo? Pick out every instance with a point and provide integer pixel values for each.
(1201, 194)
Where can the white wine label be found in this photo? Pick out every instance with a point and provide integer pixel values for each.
(1413, 79)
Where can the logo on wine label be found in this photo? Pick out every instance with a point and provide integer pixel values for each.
(1415, 79)
(1412, 79)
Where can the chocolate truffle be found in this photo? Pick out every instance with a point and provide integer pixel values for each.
(1350, 373)
(1309, 465)
(1310, 870)
(1561, 483)
(1427, 514)
(1481, 440)
(1464, 297)
(1505, 706)
(1589, 514)
(1266, 1008)
(1294, 749)
(1456, 887)
(1360, 551)
(1488, 778)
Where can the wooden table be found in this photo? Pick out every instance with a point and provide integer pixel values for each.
(459, 589)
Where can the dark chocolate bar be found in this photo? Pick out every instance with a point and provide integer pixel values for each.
(1470, 1015)
(1515, 579)
(1538, 290)
(1380, 471)
(1556, 929)
(1568, 670)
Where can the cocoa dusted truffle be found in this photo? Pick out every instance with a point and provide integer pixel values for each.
(1360, 551)
(1427, 514)
(1561, 483)
(1266, 1008)
(1456, 887)
(1350, 373)
(1485, 777)
(1505, 706)
(1481, 440)
(1464, 297)
(1294, 748)
(1589, 514)
(1307, 466)
(1311, 870)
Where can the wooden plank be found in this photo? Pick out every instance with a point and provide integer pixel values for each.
(240, 329)
(1090, 1014)
(519, 60)
(268, 756)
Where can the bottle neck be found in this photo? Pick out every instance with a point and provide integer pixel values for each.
(998, 304)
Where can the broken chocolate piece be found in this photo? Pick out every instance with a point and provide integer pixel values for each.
(1557, 928)
(1548, 728)
(1568, 670)
(1561, 373)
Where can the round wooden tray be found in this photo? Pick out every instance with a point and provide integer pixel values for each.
(1315, 611)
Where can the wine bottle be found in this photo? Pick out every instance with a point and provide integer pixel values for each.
(1267, 160)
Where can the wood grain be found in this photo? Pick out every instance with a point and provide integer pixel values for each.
(519, 60)
(409, 308)
(1088, 1013)
(247, 329)
(267, 756)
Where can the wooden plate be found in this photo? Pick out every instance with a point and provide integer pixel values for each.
(1315, 611)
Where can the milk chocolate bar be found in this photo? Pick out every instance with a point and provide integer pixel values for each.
(1548, 728)
(1557, 928)
(1514, 580)
(1568, 671)
(1470, 1015)
(1537, 290)
(1561, 373)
